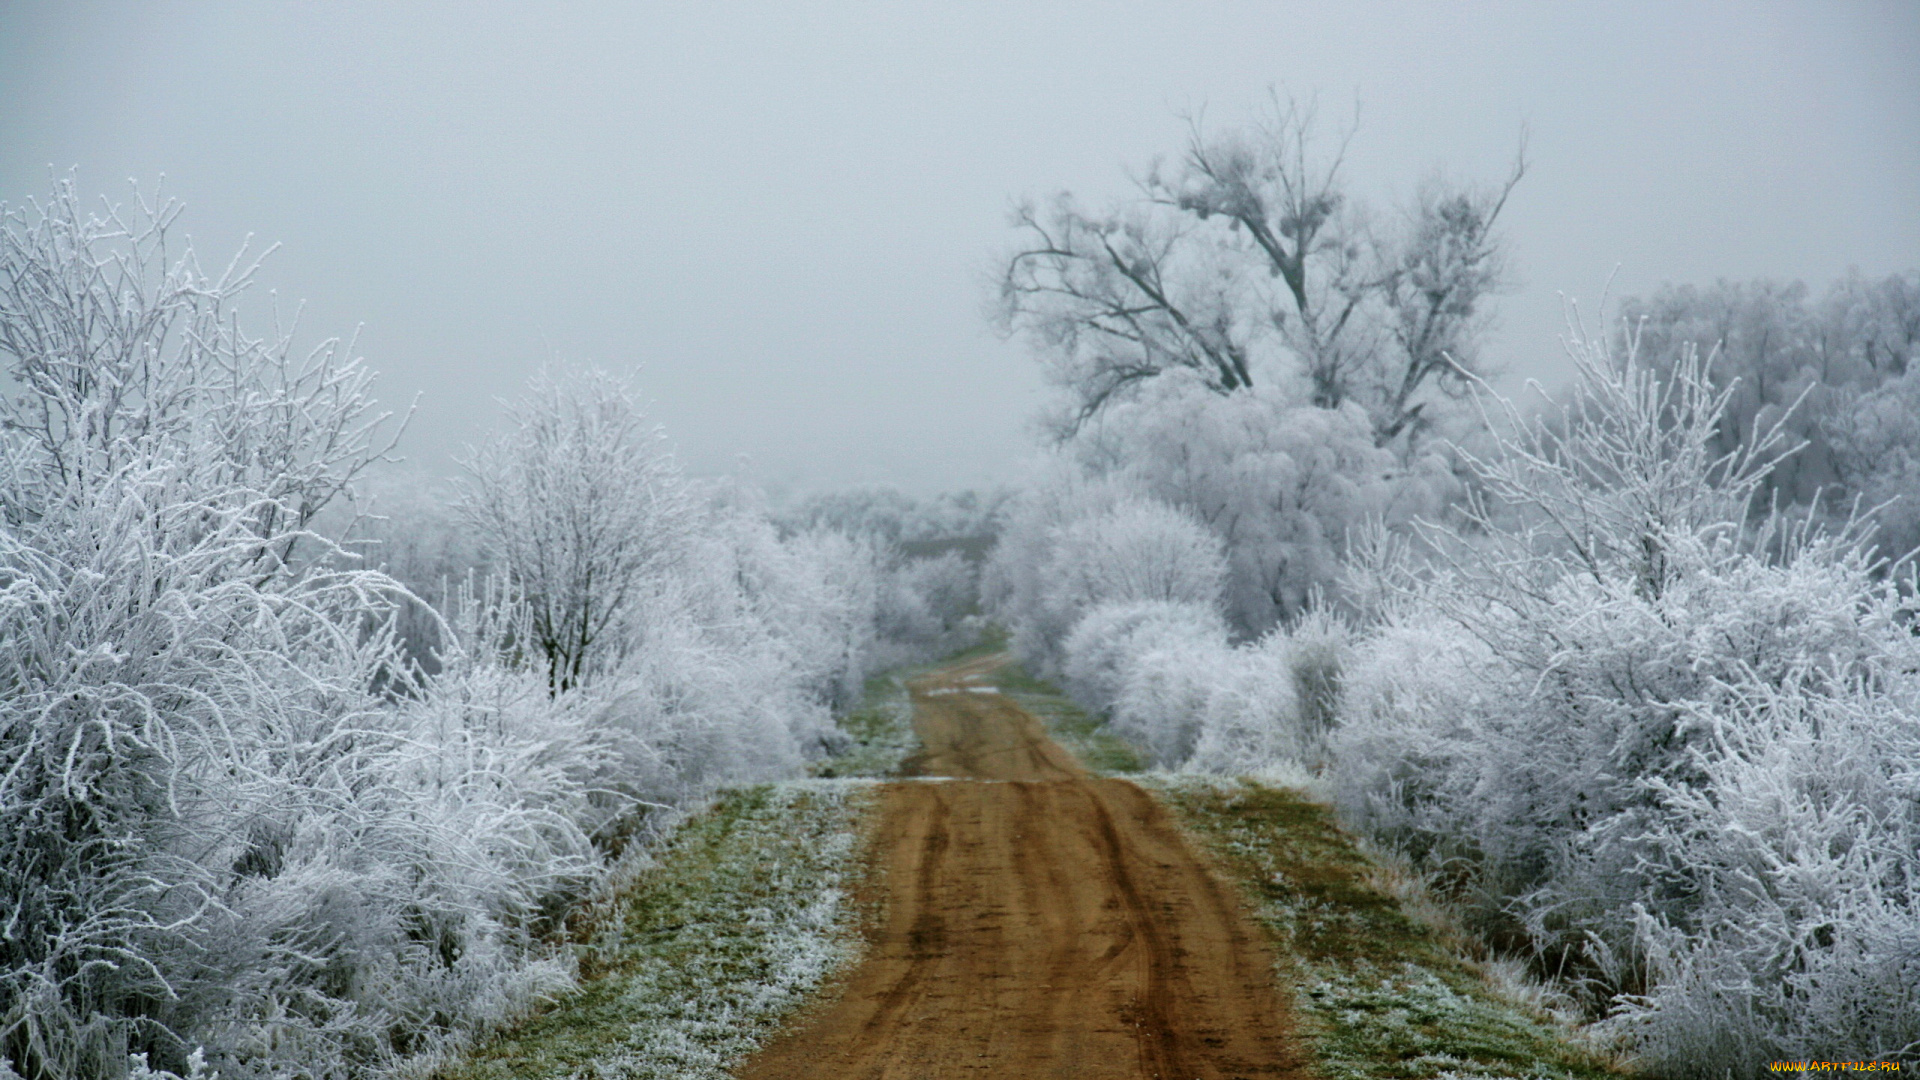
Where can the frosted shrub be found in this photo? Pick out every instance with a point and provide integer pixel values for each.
(281, 863)
(236, 817)
(928, 607)
(1671, 756)
(1252, 717)
(805, 605)
(1171, 682)
(159, 706)
(582, 506)
(1279, 482)
(1138, 550)
(1801, 834)
(1104, 646)
(1237, 710)
(171, 666)
(833, 624)
(1163, 700)
(1071, 549)
(1016, 583)
(1316, 649)
(396, 899)
(1168, 678)
(1407, 692)
(1281, 706)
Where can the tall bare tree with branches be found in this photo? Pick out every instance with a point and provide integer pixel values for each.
(1249, 260)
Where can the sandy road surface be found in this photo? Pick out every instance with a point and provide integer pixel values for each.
(1044, 923)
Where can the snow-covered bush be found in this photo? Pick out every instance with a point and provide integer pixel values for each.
(231, 816)
(1672, 757)
(928, 607)
(1251, 718)
(807, 603)
(1407, 691)
(1170, 680)
(1277, 700)
(1015, 584)
(1875, 442)
(1279, 482)
(1105, 644)
(1073, 543)
(1801, 834)
(928, 592)
(1137, 550)
(1162, 702)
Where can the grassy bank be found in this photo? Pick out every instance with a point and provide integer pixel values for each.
(880, 730)
(1383, 994)
(746, 912)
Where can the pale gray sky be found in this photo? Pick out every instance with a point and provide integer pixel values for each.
(783, 212)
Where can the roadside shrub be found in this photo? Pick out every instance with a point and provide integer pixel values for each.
(1163, 700)
(1016, 583)
(1106, 643)
(927, 608)
(1800, 835)
(1670, 756)
(1279, 482)
(1252, 716)
(1073, 546)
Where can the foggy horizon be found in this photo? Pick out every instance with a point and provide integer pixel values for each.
(784, 221)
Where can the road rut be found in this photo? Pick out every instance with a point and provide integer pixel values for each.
(1040, 922)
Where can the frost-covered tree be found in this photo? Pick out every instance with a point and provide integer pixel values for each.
(1073, 543)
(582, 505)
(1138, 550)
(118, 345)
(1832, 367)
(1246, 343)
(1279, 482)
(241, 832)
(1249, 263)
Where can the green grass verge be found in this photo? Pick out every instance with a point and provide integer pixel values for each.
(1085, 737)
(881, 728)
(746, 912)
(1378, 991)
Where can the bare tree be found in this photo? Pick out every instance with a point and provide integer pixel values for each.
(1433, 282)
(1118, 299)
(1250, 257)
(1265, 182)
(583, 505)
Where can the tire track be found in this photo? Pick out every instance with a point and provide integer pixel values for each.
(1040, 922)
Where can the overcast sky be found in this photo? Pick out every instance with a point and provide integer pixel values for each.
(783, 213)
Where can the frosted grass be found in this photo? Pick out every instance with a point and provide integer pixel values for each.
(747, 913)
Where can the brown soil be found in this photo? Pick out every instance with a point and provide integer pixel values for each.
(1040, 922)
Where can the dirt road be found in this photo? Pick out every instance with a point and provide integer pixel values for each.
(1041, 922)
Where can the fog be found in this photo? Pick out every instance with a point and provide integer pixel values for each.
(785, 219)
